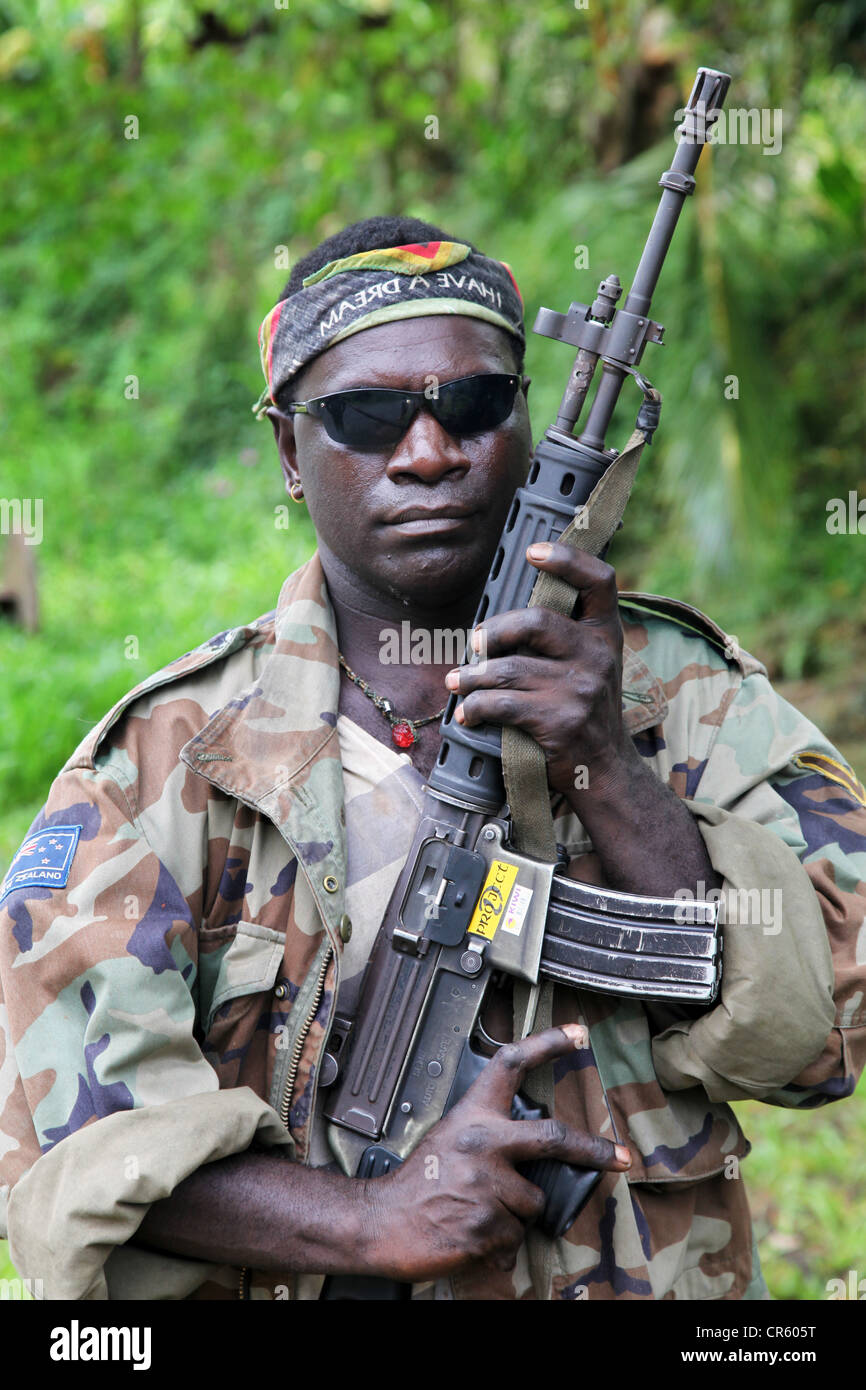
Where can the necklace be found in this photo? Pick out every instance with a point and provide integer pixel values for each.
(402, 729)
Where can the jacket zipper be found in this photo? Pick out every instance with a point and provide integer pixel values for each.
(302, 1038)
(244, 1281)
(285, 1104)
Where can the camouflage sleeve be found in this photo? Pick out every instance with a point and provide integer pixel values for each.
(772, 767)
(106, 1100)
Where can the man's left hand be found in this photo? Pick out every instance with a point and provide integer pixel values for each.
(558, 678)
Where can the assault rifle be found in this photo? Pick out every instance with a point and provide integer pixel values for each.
(469, 907)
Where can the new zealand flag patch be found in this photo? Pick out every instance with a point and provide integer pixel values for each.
(43, 861)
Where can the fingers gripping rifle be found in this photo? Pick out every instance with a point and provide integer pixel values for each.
(479, 895)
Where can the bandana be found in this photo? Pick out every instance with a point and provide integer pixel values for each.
(398, 282)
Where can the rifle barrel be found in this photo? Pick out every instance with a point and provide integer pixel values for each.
(702, 111)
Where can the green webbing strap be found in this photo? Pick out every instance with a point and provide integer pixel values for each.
(533, 1012)
(523, 763)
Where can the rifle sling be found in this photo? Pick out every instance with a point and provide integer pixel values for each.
(523, 763)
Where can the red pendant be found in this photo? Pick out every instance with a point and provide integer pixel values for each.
(403, 734)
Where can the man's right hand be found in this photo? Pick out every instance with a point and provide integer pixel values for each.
(423, 1221)
(458, 1199)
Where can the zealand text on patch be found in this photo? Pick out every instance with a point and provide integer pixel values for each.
(43, 861)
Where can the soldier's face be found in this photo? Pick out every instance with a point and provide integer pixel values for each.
(358, 500)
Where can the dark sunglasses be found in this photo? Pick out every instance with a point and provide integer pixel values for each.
(369, 419)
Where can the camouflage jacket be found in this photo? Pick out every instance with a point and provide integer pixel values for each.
(170, 945)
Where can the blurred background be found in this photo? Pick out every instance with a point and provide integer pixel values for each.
(165, 164)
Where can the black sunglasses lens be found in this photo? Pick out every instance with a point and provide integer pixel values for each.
(370, 420)
(475, 403)
(366, 420)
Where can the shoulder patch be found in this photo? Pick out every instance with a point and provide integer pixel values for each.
(43, 861)
(834, 771)
(693, 620)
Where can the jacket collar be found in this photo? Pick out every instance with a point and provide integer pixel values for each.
(275, 743)
(274, 746)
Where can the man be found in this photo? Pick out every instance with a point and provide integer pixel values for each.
(213, 862)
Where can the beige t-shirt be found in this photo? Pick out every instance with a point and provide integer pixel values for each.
(383, 797)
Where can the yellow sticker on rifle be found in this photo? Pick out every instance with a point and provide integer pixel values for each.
(494, 897)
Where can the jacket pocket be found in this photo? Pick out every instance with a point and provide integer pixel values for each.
(236, 961)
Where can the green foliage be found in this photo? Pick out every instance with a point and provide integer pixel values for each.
(167, 567)
(155, 256)
(808, 1211)
(7, 1269)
